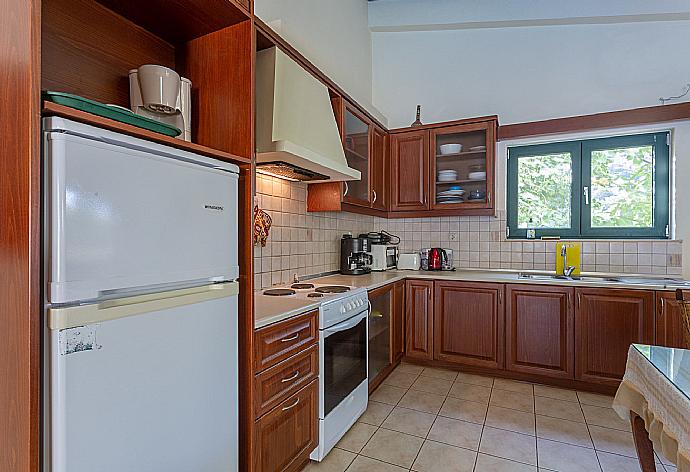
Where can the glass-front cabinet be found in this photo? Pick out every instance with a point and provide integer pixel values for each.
(357, 152)
(380, 331)
(462, 166)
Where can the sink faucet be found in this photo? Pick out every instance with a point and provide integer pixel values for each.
(567, 270)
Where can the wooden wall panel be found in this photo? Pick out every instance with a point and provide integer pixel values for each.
(19, 236)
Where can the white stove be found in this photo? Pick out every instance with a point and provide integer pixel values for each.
(343, 356)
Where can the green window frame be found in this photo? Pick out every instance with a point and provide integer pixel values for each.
(581, 158)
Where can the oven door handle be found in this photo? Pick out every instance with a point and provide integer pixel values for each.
(345, 325)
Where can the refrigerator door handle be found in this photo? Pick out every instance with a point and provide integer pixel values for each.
(71, 317)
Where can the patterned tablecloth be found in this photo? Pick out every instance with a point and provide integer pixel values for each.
(656, 386)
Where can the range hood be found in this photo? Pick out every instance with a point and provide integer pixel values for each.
(297, 137)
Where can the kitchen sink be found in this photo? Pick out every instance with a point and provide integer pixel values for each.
(628, 280)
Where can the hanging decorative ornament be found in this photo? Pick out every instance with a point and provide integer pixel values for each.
(262, 226)
(418, 121)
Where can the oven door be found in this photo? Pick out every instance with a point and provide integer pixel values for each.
(343, 360)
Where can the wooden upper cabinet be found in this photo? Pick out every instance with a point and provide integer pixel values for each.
(470, 169)
(607, 322)
(379, 169)
(669, 321)
(398, 322)
(468, 323)
(539, 330)
(356, 143)
(409, 162)
(419, 320)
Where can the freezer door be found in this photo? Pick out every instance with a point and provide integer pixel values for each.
(123, 217)
(153, 391)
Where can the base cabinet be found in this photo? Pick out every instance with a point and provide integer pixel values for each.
(468, 323)
(398, 322)
(419, 319)
(607, 321)
(669, 321)
(539, 330)
(285, 437)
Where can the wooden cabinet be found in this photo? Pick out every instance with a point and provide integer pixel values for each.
(380, 329)
(468, 323)
(409, 159)
(470, 169)
(419, 319)
(277, 342)
(379, 169)
(356, 144)
(284, 438)
(539, 330)
(398, 322)
(669, 321)
(607, 321)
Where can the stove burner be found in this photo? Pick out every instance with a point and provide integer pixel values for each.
(314, 295)
(302, 286)
(332, 289)
(279, 292)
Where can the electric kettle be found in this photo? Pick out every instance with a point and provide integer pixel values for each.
(437, 258)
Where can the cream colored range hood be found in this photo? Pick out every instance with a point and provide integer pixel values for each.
(297, 137)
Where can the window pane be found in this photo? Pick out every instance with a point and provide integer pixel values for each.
(623, 187)
(544, 189)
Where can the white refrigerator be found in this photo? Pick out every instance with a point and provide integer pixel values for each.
(140, 333)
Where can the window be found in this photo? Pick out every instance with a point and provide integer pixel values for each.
(598, 188)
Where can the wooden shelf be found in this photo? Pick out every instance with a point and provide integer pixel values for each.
(53, 109)
(356, 154)
(461, 154)
(466, 181)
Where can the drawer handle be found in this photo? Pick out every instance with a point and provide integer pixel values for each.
(291, 406)
(291, 378)
(291, 338)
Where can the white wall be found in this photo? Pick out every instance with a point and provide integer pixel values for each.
(528, 73)
(333, 34)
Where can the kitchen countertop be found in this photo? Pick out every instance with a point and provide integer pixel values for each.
(270, 310)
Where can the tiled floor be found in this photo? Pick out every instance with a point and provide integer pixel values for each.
(434, 420)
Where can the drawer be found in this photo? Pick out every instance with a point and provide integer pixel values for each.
(285, 436)
(273, 385)
(277, 342)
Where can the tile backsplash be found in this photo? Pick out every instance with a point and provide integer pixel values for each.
(309, 243)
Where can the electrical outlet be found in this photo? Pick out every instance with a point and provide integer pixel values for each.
(452, 236)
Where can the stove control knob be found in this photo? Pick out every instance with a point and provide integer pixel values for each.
(349, 306)
(342, 309)
(360, 302)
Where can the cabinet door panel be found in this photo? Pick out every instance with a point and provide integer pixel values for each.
(380, 323)
(539, 330)
(410, 171)
(419, 306)
(468, 323)
(607, 321)
(379, 169)
(398, 330)
(288, 433)
(357, 153)
(669, 321)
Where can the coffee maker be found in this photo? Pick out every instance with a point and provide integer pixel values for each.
(354, 255)
(159, 93)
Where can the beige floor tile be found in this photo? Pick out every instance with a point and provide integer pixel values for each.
(439, 373)
(558, 409)
(456, 433)
(595, 399)
(613, 440)
(509, 445)
(669, 468)
(555, 392)
(512, 420)
(616, 463)
(432, 385)
(400, 379)
(496, 464)
(387, 394)
(566, 457)
(355, 439)
(409, 369)
(365, 464)
(513, 386)
(606, 417)
(516, 400)
(466, 410)
(475, 379)
(476, 393)
(437, 457)
(338, 460)
(412, 422)
(393, 447)
(422, 401)
(375, 413)
(566, 431)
